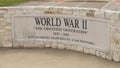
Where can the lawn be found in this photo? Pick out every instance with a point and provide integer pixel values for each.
(11, 2)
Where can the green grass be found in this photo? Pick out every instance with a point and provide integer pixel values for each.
(11, 2)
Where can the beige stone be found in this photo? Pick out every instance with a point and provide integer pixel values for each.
(80, 49)
(90, 14)
(36, 10)
(92, 51)
(3, 37)
(8, 23)
(9, 32)
(74, 47)
(76, 12)
(19, 11)
(1, 19)
(7, 44)
(54, 45)
(116, 56)
(99, 14)
(82, 13)
(39, 44)
(8, 28)
(3, 10)
(6, 17)
(97, 53)
(6, 37)
(28, 10)
(47, 45)
(61, 46)
(109, 56)
(28, 44)
(11, 11)
(2, 30)
(86, 50)
(67, 11)
(103, 55)
(18, 44)
(68, 47)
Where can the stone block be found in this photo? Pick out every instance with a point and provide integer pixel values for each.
(103, 55)
(47, 45)
(18, 44)
(80, 49)
(116, 56)
(2, 30)
(19, 11)
(39, 44)
(109, 56)
(1, 19)
(7, 43)
(68, 47)
(8, 28)
(86, 50)
(74, 47)
(28, 44)
(67, 11)
(3, 10)
(54, 45)
(92, 51)
(61, 46)
(11, 11)
(97, 53)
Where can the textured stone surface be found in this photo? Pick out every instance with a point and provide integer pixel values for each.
(47, 45)
(74, 48)
(116, 56)
(6, 39)
(68, 47)
(28, 44)
(92, 51)
(80, 49)
(103, 55)
(109, 56)
(39, 44)
(61, 46)
(86, 50)
(97, 53)
(54, 45)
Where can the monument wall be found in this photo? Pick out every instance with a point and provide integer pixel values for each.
(13, 20)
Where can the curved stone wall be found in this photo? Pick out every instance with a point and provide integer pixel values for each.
(6, 29)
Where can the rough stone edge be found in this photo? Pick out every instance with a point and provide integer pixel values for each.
(109, 56)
